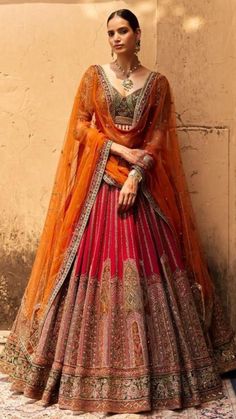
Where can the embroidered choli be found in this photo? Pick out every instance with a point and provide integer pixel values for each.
(122, 108)
(125, 110)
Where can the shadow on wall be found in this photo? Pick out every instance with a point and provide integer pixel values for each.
(164, 7)
(15, 270)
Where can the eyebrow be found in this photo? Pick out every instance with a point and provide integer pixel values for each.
(121, 27)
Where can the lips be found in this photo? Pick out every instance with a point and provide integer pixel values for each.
(118, 46)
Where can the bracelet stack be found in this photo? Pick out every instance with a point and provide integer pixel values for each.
(136, 173)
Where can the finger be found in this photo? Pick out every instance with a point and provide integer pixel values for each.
(128, 202)
(120, 201)
(140, 163)
(134, 195)
(125, 201)
(131, 201)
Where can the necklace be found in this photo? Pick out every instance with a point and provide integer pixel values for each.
(127, 83)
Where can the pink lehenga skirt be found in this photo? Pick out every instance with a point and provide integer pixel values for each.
(124, 333)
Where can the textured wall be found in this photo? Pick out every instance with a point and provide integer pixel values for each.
(45, 47)
(196, 48)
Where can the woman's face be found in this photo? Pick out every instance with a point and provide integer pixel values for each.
(121, 36)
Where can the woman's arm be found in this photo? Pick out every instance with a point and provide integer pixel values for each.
(84, 131)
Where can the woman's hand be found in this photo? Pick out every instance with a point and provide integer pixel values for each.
(128, 194)
(135, 156)
(138, 157)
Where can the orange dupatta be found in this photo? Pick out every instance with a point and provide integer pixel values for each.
(84, 159)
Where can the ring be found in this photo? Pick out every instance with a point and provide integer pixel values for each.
(146, 158)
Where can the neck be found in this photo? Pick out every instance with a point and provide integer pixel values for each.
(127, 62)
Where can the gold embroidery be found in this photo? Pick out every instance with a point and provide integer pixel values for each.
(105, 286)
(132, 291)
(138, 352)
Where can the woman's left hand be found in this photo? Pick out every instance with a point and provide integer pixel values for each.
(128, 194)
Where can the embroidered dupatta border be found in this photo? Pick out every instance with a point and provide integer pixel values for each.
(153, 204)
(142, 99)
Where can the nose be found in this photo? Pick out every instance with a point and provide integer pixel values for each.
(116, 37)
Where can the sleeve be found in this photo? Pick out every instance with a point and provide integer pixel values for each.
(84, 129)
(85, 97)
(84, 101)
(159, 118)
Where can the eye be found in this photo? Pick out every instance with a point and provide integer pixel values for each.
(110, 33)
(123, 30)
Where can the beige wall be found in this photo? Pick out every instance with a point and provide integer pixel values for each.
(45, 47)
(201, 63)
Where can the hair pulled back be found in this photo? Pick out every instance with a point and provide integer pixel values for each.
(127, 15)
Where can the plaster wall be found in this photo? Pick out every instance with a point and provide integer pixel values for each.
(45, 47)
(196, 48)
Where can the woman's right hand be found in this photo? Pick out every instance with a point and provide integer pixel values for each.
(138, 157)
(133, 155)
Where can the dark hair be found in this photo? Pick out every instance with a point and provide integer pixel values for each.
(127, 15)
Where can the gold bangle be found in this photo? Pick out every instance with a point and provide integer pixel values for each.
(136, 174)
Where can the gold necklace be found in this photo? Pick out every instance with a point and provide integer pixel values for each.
(127, 83)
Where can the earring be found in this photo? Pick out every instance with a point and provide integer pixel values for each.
(112, 53)
(138, 44)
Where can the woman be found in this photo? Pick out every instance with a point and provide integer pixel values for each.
(120, 314)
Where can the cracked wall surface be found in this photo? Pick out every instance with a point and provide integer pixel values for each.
(45, 47)
(196, 49)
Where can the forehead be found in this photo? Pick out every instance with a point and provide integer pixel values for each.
(116, 22)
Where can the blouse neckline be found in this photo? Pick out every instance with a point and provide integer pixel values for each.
(130, 94)
(142, 97)
(113, 87)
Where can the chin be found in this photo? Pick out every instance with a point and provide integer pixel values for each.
(124, 51)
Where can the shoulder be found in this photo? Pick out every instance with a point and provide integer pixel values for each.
(161, 85)
(160, 77)
(90, 71)
(160, 88)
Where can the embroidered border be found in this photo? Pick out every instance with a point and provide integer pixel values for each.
(143, 97)
(152, 201)
(106, 86)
